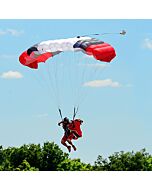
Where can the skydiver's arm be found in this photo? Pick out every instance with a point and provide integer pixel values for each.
(60, 123)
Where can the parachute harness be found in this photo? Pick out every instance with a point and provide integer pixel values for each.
(60, 112)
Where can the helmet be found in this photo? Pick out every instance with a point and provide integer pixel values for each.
(66, 119)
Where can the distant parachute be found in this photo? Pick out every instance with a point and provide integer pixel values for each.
(44, 50)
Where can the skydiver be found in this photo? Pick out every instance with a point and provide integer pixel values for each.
(65, 122)
(68, 135)
(72, 132)
(75, 131)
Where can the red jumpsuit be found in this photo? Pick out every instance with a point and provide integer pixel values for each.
(75, 130)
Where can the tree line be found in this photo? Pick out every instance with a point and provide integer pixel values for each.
(49, 157)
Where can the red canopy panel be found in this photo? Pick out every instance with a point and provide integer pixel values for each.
(33, 60)
(103, 52)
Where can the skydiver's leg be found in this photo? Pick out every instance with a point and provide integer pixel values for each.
(63, 142)
(70, 142)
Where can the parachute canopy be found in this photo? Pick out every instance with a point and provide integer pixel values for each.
(44, 50)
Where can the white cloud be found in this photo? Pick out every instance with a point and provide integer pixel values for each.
(11, 75)
(148, 43)
(2, 32)
(11, 32)
(14, 32)
(103, 83)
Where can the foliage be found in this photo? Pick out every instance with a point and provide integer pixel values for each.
(25, 166)
(121, 161)
(74, 165)
(50, 157)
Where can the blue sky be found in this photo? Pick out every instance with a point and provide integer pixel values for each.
(115, 118)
